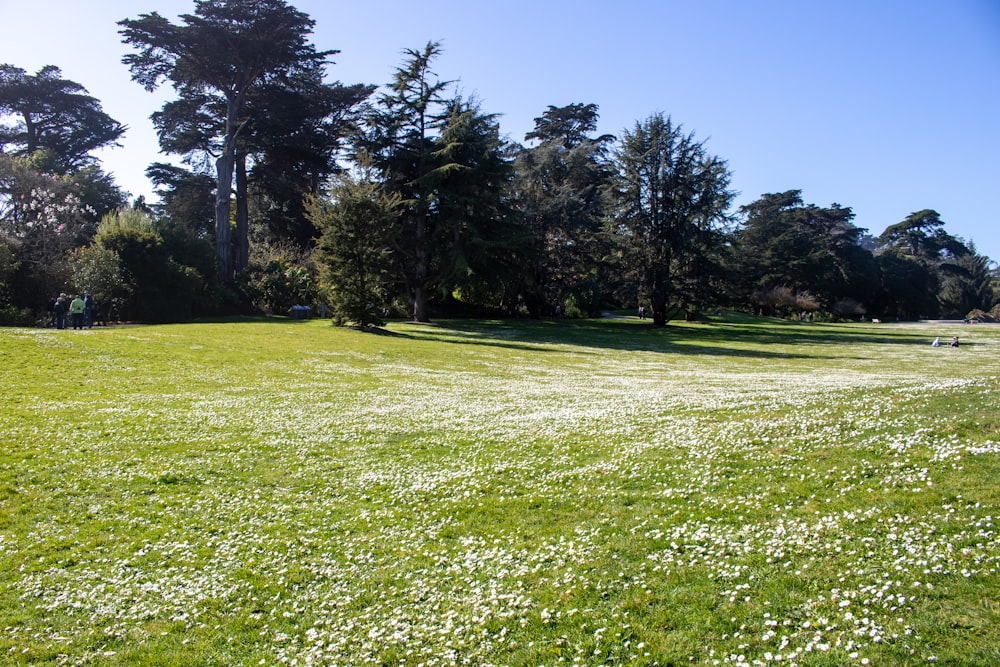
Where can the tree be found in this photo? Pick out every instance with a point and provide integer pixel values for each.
(221, 53)
(9, 314)
(968, 286)
(922, 235)
(782, 242)
(915, 257)
(445, 161)
(561, 190)
(910, 287)
(44, 216)
(99, 270)
(159, 287)
(295, 139)
(671, 198)
(186, 197)
(478, 244)
(357, 221)
(400, 145)
(54, 114)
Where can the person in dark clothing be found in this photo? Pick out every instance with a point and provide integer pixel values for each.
(59, 308)
(88, 313)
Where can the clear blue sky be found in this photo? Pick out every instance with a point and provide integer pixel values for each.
(886, 106)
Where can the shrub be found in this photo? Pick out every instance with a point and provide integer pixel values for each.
(847, 308)
(12, 316)
(279, 285)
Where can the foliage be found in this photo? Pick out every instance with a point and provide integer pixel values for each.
(967, 284)
(358, 222)
(785, 301)
(43, 216)
(10, 315)
(561, 192)
(399, 143)
(922, 271)
(295, 138)
(214, 61)
(784, 242)
(573, 223)
(848, 308)
(157, 287)
(55, 115)
(911, 286)
(922, 235)
(186, 197)
(98, 270)
(671, 197)
(479, 243)
(474, 492)
(278, 285)
(8, 264)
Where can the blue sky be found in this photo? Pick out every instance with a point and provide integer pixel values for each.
(885, 106)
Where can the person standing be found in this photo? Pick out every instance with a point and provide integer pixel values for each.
(59, 308)
(77, 310)
(88, 313)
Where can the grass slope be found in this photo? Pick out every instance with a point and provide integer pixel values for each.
(271, 492)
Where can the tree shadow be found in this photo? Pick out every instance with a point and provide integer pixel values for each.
(736, 335)
(716, 338)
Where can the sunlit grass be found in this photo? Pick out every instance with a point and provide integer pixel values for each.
(500, 493)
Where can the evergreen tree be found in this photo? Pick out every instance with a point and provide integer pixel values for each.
(400, 144)
(915, 257)
(357, 222)
(295, 139)
(967, 286)
(561, 189)
(187, 198)
(53, 114)
(672, 197)
(784, 243)
(215, 60)
(478, 243)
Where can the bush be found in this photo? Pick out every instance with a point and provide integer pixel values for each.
(12, 316)
(977, 315)
(280, 285)
(846, 308)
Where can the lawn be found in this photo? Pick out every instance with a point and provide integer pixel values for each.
(275, 492)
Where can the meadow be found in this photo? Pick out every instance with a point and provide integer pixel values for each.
(275, 492)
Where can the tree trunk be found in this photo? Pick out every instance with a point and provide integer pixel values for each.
(242, 246)
(224, 167)
(658, 298)
(660, 315)
(223, 230)
(421, 270)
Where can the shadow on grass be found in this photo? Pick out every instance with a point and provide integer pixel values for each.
(724, 337)
(734, 335)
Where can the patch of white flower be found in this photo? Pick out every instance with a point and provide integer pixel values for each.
(351, 524)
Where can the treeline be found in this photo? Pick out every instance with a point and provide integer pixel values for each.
(407, 199)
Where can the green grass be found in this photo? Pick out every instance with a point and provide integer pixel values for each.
(270, 492)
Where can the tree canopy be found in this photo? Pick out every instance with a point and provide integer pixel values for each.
(408, 198)
(215, 60)
(671, 197)
(44, 111)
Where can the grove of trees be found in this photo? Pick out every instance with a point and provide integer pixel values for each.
(407, 199)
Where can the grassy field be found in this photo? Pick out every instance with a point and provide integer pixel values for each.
(270, 492)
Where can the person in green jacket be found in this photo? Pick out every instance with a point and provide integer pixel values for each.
(77, 309)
